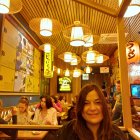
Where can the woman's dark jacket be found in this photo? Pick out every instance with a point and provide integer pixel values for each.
(67, 133)
(9, 132)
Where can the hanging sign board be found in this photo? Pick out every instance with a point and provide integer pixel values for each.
(48, 64)
(132, 52)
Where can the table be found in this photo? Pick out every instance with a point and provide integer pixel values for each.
(26, 135)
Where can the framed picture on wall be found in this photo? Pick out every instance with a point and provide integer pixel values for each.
(64, 84)
(19, 70)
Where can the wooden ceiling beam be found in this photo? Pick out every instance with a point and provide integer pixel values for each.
(98, 7)
(123, 7)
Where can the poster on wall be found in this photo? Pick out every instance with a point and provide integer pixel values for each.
(133, 59)
(18, 50)
(23, 64)
(134, 73)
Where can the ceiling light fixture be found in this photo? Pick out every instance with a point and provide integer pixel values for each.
(89, 42)
(133, 9)
(100, 58)
(67, 56)
(67, 72)
(92, 56)
(46, 27)
(47, 47)
(70, 57)
(76, 72)
(4, 6)
(88, 69)
(58, 71)
(74, 60)
(10, 6)
(77, 34)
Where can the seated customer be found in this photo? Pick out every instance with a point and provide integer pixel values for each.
(93, 119)
(117, 109)
(56, 103)
(45, 114)
(9, 132)
(23, 115)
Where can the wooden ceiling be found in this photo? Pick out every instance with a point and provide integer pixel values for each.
(99, 15)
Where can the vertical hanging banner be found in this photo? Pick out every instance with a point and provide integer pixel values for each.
(48, 63)
(132, 52)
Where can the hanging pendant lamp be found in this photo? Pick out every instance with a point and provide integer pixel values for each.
(77, 34)
(67, 56)
(92, 56)
(67, 72)
(10, 6)
(88, 69)
(4, 6)
(133, 9)
(46, 27)
(100, 58)
(76, 72)
(89, 42)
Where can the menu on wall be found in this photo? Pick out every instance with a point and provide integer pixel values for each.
(17, 63)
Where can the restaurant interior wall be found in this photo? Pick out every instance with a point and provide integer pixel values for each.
(76, 86)
(98, 79)
(114, 63)
(13, 99)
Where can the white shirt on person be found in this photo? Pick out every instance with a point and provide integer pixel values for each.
(22, 118)
(49, 118)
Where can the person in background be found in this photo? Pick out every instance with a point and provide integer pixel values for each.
(1, 104)
(63, 102)
(93, 120)
(56, 103)
(117, 109)
(45, 114)
(1, 107)
(9, 132)
(23, 114)
(104, 92)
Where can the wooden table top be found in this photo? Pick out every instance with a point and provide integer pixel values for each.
(30, 127)
(26, 135)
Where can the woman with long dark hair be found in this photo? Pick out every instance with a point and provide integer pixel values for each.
(92, 120)
(45, 114)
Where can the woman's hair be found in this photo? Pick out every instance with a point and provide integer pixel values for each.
(24, 100)
(60, 97)
(55, 98)
(81, 129)
(118, 82)
(48, 101)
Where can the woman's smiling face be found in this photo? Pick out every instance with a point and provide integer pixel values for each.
(92, 111)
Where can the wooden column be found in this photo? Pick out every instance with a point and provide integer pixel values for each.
(125, 86)
(76, 85)
(1, 30)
